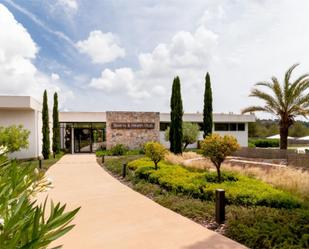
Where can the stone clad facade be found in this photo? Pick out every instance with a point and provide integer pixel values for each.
(132, 129)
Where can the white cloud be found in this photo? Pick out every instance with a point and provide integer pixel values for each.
(121, 79)
(18, 74)
(186, 50)
(55, 76)
(72, 4)
(101, 47)
(40, 23)
(187, 55)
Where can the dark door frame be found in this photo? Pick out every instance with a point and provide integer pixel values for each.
(90, 141)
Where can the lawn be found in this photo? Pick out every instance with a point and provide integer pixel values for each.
(46, 164)
(258, 215)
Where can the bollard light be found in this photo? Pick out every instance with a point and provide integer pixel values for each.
(220, 206)
(124, 170)
(103, 158)
(40, 163)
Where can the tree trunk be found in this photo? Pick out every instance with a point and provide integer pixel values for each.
(284, 132)
(185, 146)
(218, 172)
(156, 166)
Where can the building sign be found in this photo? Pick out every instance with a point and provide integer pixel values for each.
(133, 125)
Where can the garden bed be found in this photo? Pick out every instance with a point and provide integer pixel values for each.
(281, 222)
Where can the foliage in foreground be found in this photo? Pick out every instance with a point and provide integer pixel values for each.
(23, 222)
(240, 190)
(255, 227)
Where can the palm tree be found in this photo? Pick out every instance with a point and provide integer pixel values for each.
(285, 101)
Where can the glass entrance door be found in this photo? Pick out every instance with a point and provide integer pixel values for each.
(82, 140)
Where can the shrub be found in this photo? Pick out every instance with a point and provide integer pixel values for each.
(155, 151)
(264, 143)
(240, 190)
(268, 228)
(118, 150)
(100, 153)
(217, 148)
(14, 138)
(251, 145)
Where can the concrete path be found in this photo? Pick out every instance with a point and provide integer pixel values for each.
(114, 216)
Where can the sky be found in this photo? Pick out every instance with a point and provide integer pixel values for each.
(123, 55)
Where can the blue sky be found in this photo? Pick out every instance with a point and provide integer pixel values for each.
(122, 55)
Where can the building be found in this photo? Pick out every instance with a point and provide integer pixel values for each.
(24, 110)
(85, 132)
(88, 131)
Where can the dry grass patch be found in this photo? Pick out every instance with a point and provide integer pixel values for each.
(290, 179)
(189, 159)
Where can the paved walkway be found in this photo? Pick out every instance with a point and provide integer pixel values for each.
(114, 216)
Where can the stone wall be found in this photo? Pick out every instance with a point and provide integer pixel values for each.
(132, 129)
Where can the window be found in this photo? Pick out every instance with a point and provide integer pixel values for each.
(241, 126)
(230, 126)
(164, 126)
(233, 127)
(221, 126)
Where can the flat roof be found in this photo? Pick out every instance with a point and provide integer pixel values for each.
(164, 117)
(19, 103)
(217, 117)
(84, 117)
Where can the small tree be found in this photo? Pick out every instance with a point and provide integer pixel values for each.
(45, 128)
(176, 132)
(155, 151)
(14, 138)
(285, 101)
(217, 148)
(190, 133)
(207, 111)
(56, 126)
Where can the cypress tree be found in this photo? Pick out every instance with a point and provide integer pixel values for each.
(56, 126)
(207, 112)
(45, 128)
(176, 135)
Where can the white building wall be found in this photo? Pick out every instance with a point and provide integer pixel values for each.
(28, 119)
(241, 136)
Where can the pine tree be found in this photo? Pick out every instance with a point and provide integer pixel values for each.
(207, 112)
(176, 135)
(56, 126)
(45, 128)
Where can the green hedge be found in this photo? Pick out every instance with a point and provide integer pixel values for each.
(263, 142)
(240, 190)
(118, 152)
(269, 228)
